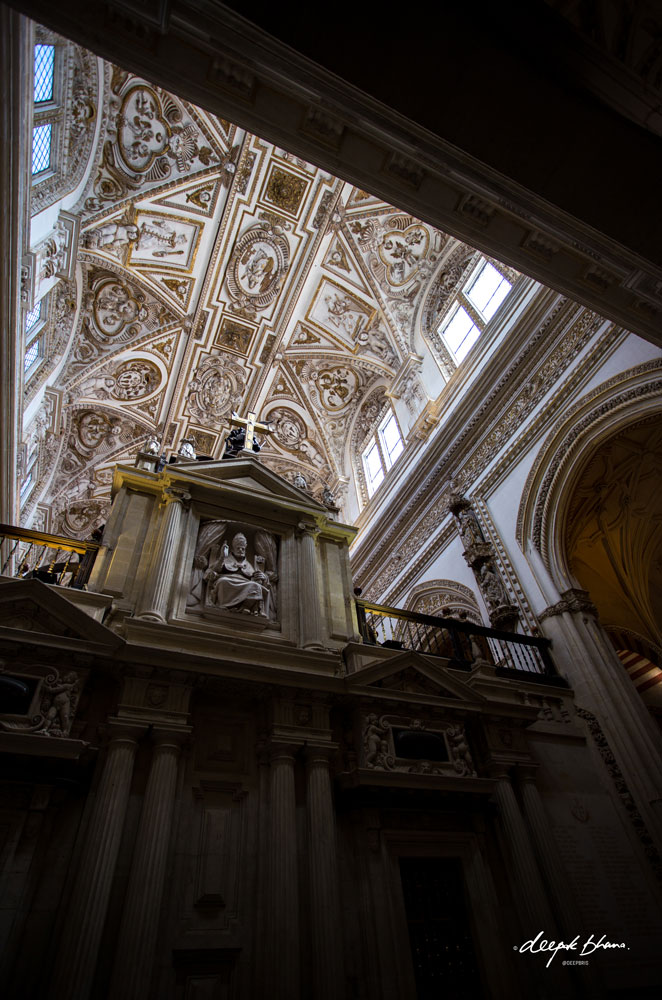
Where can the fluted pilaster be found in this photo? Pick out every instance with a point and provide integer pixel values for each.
(154, 601)
(325, 922)
(283, 921)
(140, 920)
(77, 955)
(536, 911)
(311, 618)
(549, 859)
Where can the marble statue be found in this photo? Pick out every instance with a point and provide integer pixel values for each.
(235, 584)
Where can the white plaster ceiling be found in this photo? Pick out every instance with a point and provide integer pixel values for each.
(216, 272)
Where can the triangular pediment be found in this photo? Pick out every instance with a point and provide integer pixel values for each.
(412, 673)
(38, 609)
(248, 475)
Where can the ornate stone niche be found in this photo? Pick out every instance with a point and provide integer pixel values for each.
(235, 574)
(414, 746)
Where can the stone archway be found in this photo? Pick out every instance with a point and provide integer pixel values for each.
(591, 511)
(613, 540)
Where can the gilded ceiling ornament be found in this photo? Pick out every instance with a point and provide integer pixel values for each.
(337, 258)
(258, 266)
(375, 341)
(338, 311)
(216, 388)
(234, 335)
(81, 517)
(93, 429)
(147, 135)
(202, 197)
(285, 190)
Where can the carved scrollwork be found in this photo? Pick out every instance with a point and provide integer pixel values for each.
(58, 700)
(216, 388)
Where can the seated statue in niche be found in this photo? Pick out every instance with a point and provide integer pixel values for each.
(225, 577)
(234, 583)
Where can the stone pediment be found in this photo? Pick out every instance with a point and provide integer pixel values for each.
(36, 608)
(412, 673)
(246, 475)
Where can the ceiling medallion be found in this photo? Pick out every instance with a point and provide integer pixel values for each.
(216, 388)
(258, 266)
(142, 131)
(402, 253)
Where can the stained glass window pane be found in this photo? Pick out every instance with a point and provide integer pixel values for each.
(488, 290)
(31, 355)
(41, 148)
(44, 61)
(33, 317)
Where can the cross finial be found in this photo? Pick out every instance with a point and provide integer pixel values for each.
(250, 425)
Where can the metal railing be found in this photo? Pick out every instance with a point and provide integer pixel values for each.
(461, 642)
(57, 559)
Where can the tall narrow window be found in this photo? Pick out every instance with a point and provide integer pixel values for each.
(382, 450)
(46, 111)
(475, 305)
(34, 341)
(41, 148)
(44, 65)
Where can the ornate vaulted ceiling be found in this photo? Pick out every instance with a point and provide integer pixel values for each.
(216, 272)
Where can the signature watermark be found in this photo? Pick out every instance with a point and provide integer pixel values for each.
(539, 945)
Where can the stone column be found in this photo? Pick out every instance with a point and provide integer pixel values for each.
(548, 854)
(309, 603)
(569, 918)
(325, 918)
(282, 953)
(154, 600)
(535, 909)
(603, 687)
(86, 914)
(140, 919)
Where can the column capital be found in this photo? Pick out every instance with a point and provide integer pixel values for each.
(499, 771)
(173, 494)
(319, 753)
(574, 601)
(283, 753)
(527, 772)
(116, 729)
(306, 530)
(170, 736)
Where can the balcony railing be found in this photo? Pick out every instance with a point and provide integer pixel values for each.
(461, 642)
(57, 559)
